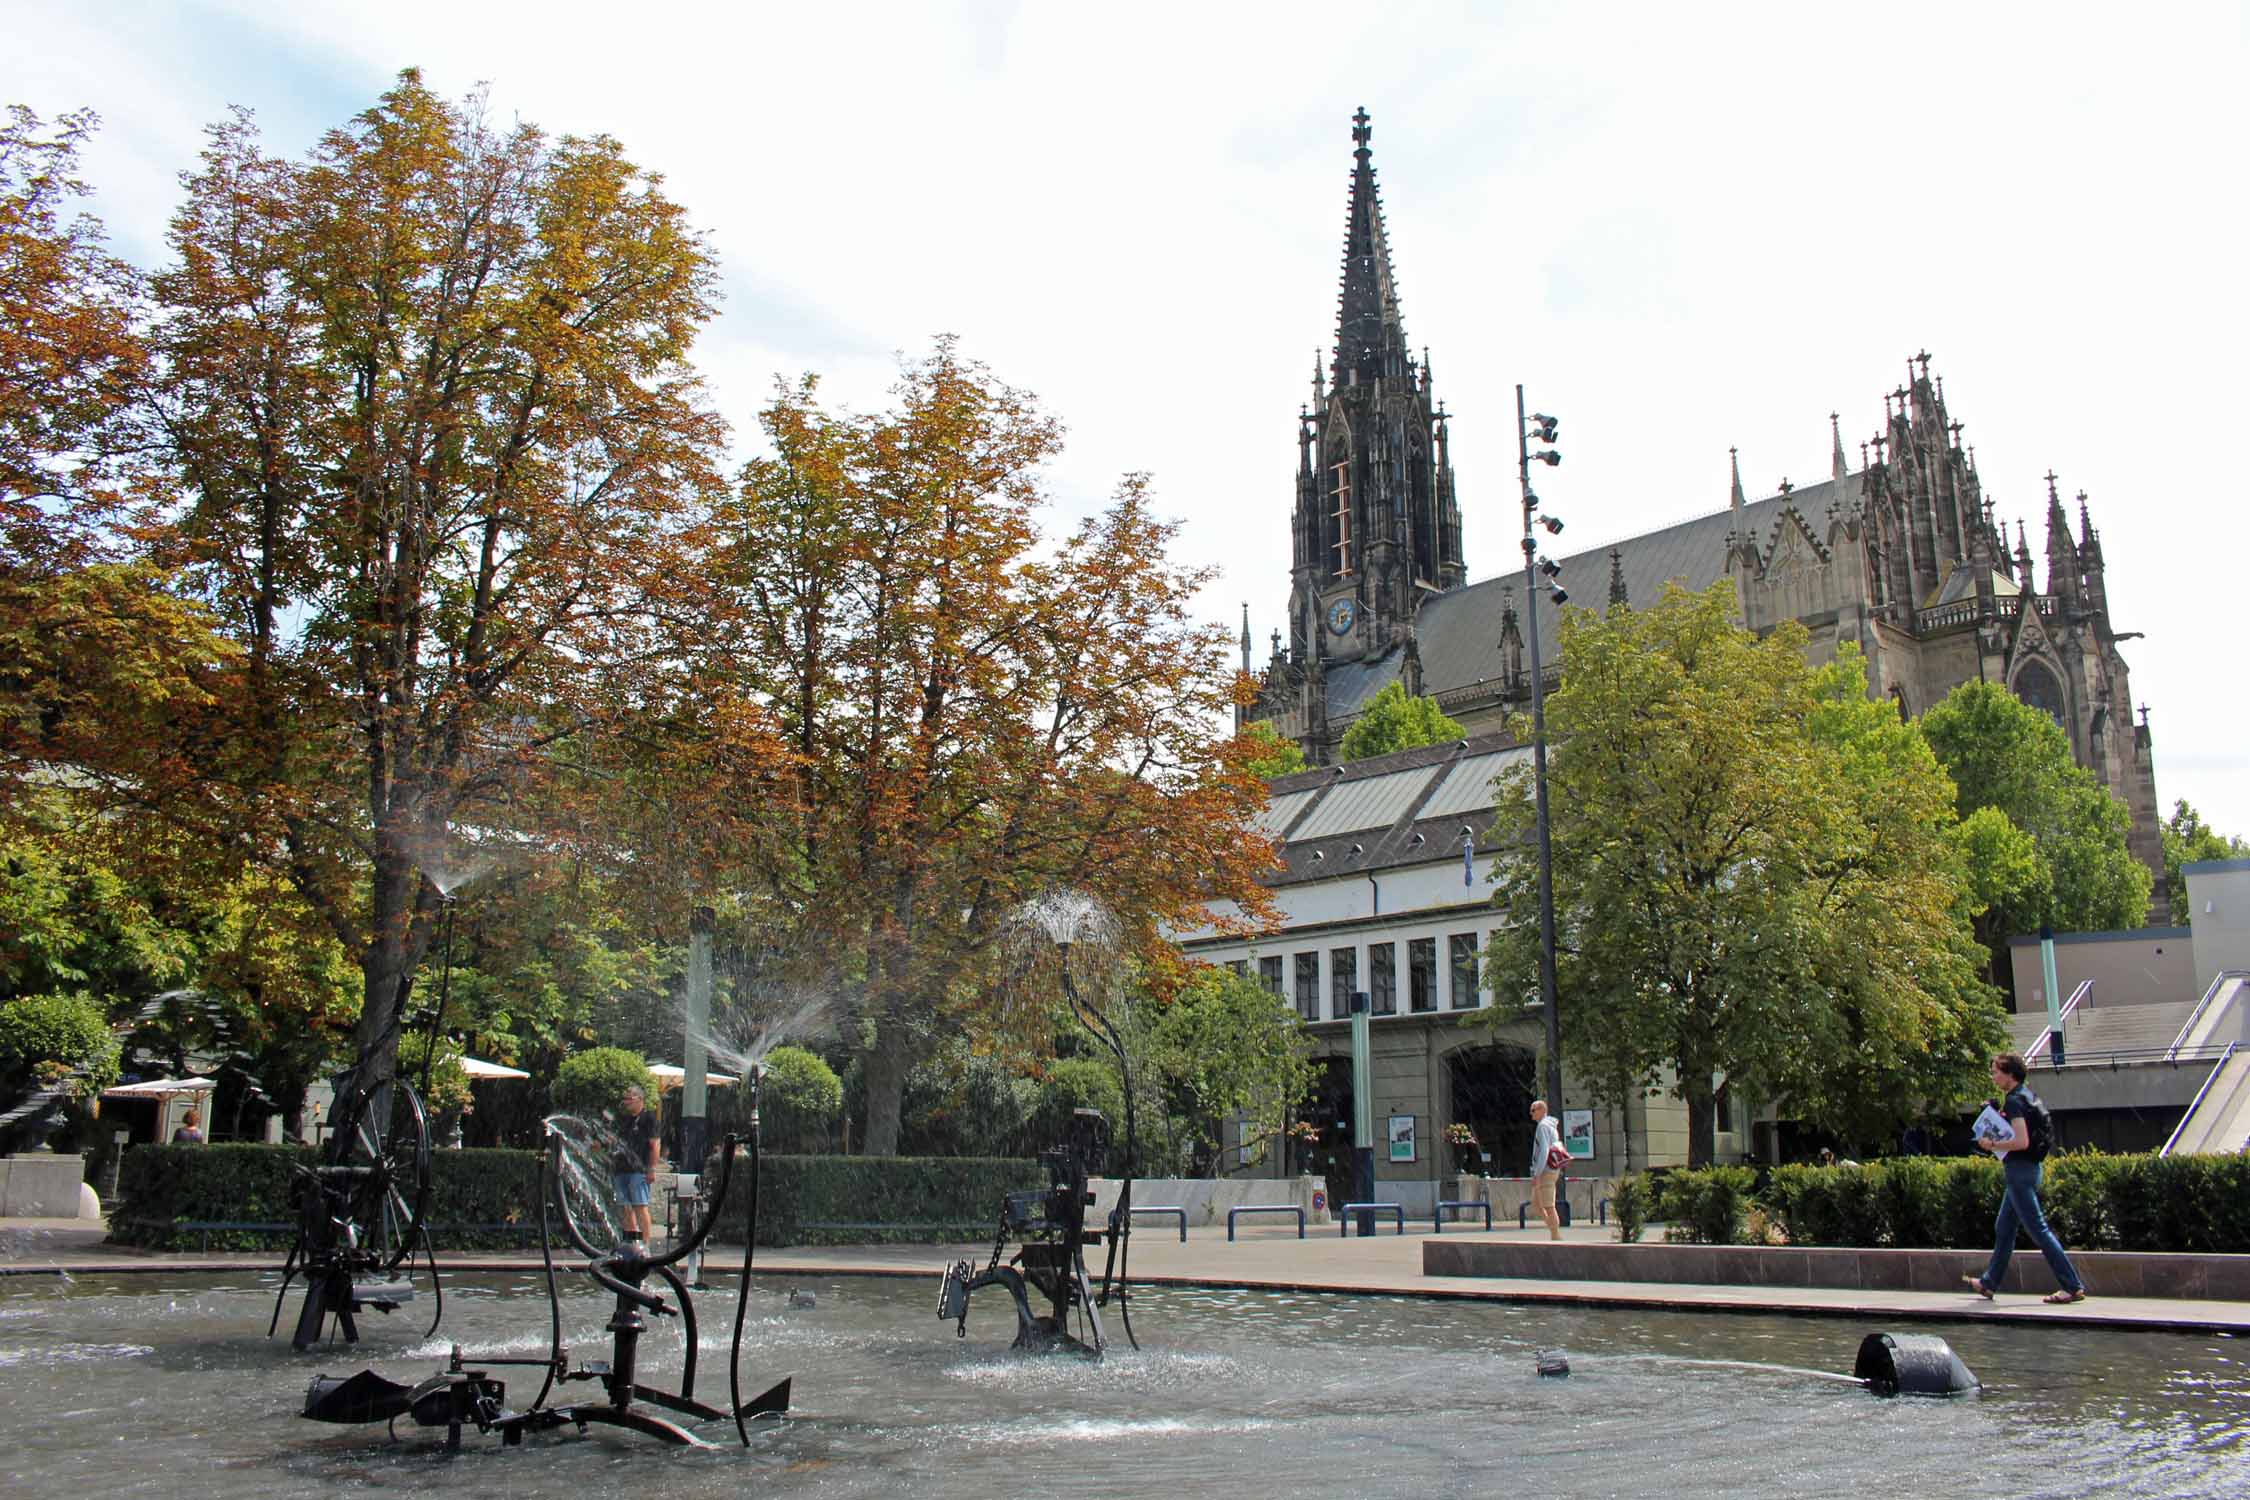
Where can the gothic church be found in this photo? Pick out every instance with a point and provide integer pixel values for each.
(1901, 555)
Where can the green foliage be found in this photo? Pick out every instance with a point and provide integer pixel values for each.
(1628, 1206)
(875, 1200)
(1224, 1045)
(1270, 754)
(1393, 721)
(44, 1038)
(1752, 879)
(2002, 753)
(594, 1081)
(2187, 841)
(1705, 1207)
(1074, 1083)
(800, 1100)
(478, 1199)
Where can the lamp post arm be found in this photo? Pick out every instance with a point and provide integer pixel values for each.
(1547, 1003)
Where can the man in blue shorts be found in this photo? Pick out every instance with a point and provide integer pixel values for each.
(636, 1161)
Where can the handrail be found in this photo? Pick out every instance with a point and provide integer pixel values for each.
(2046, 1036)
(2179, 1129)
(2203, 1004)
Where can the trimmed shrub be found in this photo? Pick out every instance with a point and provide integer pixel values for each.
(479, 1200)
(593, 1082)
(45, 1038)
(1628, 1205)
(800, 1099)
(874, 1200)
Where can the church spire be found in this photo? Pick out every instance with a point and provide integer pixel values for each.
(2062, 553)
(1734, 467)
(1245, 637)
(1370, 333)
(1617, 597)
(1836, 466)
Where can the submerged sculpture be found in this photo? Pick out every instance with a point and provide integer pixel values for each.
(465, 1394)
(360, 1214)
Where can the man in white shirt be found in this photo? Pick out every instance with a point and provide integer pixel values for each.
(1545, 1140)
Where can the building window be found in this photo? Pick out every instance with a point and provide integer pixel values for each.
(1308, 986)
(1343, 978)
(1382, 979)
(1269, 973)
(1722, 1111)
(1462, 949)
(1421, 973)
(1340, 518)
(1238, 967)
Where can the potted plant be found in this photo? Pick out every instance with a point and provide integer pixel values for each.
(1471, 1151)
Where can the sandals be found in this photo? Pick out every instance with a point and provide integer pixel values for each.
(1976, 1284)
(2065, 1297)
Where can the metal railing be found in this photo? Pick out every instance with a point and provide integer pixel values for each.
(2044, 1042)
(2218, 982)
(2181, 1128)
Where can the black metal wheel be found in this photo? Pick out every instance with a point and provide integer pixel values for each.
(377, 1178)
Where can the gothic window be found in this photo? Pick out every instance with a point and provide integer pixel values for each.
(2037, 686)
(1421, 509)
(1340, 516)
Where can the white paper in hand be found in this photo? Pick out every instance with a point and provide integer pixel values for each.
(1991, 1125)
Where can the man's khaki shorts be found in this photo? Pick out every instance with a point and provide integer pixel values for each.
(1543, 1192)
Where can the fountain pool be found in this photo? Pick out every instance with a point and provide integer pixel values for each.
(166, 1384)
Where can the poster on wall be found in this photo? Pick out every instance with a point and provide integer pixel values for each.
(1578, 1133)
(1402, 1137)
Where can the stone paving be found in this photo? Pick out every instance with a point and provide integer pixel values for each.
(1268, 1256)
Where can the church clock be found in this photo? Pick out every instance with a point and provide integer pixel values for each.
(1340, 616)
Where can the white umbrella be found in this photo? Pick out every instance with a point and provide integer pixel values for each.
(161, 1088)
(477, 1067)
(669, 1077)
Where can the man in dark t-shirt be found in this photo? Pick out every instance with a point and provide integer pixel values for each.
(2021, 1155)
(636, 1160)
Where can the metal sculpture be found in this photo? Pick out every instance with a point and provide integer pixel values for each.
(360, 1214)
(465, 1394)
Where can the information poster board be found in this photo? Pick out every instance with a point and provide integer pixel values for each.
(1402, 1137)
(1578, 1133)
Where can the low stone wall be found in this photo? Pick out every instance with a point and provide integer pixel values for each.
(2112, 1273)
(42, 1186)
(1207, 1199)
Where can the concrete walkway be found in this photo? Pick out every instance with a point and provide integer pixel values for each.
(1267, 1257)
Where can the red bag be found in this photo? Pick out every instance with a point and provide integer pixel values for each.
(1558, 1157)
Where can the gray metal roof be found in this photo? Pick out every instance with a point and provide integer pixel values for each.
(1468, 785)
(1369, 802)
(1274, 818)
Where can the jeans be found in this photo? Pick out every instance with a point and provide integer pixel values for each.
(2019, 1206)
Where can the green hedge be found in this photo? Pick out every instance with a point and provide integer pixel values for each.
(803, 1200)
(875, 1200)
(161, 1187)
(2179, 1204)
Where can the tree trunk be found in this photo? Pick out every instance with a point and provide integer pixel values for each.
(885, 1072)
(1702, 1131)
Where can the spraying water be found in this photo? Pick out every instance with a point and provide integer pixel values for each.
(589, 1151)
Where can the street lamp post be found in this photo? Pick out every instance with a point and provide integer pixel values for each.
(1533, 567)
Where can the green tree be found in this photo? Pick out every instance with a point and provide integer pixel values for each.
(2006, 755)
(2188, 840)
(1270, 754)
(1754, 877)
(1393, 721)
(1222, 1046)
(801, 1097)
(594, 1082)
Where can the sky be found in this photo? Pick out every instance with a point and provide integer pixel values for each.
(1683, 229)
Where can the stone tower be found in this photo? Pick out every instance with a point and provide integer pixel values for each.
(1376, 528)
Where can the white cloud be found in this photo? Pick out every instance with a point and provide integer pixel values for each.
(1683, 228)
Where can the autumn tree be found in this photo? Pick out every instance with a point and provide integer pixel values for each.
(435, 455)
(1395, 720)
(972, 719)
(1754, 878)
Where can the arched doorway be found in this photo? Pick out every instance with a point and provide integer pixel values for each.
(1492, 1093)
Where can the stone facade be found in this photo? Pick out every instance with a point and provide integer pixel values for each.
(1902, 555)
